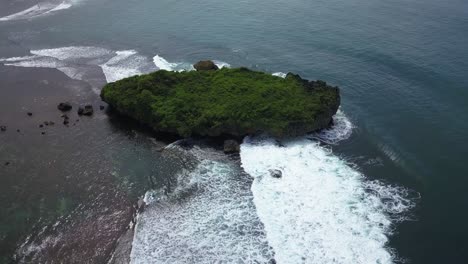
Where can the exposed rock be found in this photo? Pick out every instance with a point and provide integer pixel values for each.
(46, 123)
(66, 119)
(3, 128)
(17, 130)
(141, 206)
(231, 146)
(86, 110)
(43, 133)
(66, 106)
(41, 125)
(7, 163)
(276, 173)
(29, 113)
(205, 66)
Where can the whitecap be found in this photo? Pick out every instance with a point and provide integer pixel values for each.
(322, 210)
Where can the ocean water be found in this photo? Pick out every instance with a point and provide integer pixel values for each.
(387, 183)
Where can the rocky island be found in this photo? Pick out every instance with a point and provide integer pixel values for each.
(224, 102)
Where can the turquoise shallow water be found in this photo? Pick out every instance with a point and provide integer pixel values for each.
(402, 67)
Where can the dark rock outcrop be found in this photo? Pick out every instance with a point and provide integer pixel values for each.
(29, 113)
(231, 146)
(206, 65)
(87, 110)
(276, 173)
(3, 128)
(66, 106)
(66, 119)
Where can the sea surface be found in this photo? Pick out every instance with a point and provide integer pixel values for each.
(386, 184)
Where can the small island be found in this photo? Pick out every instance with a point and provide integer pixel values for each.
(224, 102)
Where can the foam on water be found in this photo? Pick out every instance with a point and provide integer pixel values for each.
(83, 63)
(80, 62)
(209, 218)
(341, 130)
(322, 210)
(39, 9)
(221, 64)
(125, 64)
(163, 64)
(279, 74)
(72, 52)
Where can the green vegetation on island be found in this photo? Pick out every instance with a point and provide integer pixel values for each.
(219, 102)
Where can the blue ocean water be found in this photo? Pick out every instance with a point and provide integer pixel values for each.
(401, 65)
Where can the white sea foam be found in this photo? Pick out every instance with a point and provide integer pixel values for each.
(72, 52)
(322, 210)
(209, 218)
(125, 64)
(341, 129)
(83, 63)
(61, 6)
(163, 64)
(221, 64)
(279, 74)
(38, 10)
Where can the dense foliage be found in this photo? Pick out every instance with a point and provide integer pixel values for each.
(226, 101)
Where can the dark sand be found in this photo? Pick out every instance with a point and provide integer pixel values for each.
(60, 201)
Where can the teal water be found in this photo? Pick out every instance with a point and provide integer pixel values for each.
(401, 65)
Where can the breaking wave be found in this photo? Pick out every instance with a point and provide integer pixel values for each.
(279, 74)
(209, 218)
(40, 9)
(86, 63)
(322, 210)
(341, 130)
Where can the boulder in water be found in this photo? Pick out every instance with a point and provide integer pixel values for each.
(66, 106)
(87, 110)
(231, 146)
(206, 65)
(276, 173)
